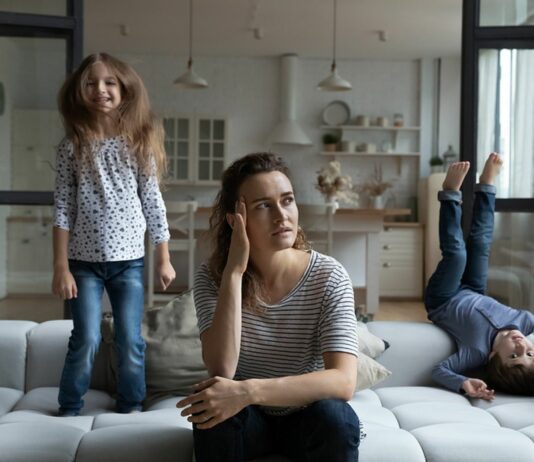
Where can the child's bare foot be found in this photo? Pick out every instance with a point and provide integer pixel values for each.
(455, 176)
(492, 167)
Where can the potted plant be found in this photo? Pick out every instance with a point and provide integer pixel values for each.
(375, 188)
(330, 141)
(436, 164)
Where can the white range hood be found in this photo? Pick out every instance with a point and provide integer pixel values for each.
(288, 130)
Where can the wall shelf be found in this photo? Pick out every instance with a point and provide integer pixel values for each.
(369, 128)
(370, 154)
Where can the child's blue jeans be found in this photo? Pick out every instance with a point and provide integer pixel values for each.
(326, 430)
(462, 266)
(123, 281)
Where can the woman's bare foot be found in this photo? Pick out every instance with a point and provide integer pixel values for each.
(492, 167)
(455, 176)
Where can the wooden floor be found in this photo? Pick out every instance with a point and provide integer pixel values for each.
(41, 308)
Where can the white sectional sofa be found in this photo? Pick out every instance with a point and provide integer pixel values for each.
(406, 418)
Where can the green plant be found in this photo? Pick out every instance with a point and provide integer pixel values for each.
(435, 161)
(331, 138)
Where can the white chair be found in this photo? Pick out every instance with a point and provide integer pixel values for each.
(319, 218)
(181, 219)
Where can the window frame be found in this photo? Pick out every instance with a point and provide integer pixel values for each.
(70, 28)
(475, 38)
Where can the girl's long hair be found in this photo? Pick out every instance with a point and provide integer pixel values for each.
(136, 122)
(221, 232)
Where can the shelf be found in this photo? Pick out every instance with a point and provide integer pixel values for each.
(370, 128)
(370, 154)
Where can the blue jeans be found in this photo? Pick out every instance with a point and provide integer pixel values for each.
(326, 430)
(462, 266)
(123, 281)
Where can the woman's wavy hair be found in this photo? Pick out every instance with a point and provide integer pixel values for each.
(221, 232)
(136, 122)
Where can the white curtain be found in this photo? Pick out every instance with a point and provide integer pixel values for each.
(522, 127)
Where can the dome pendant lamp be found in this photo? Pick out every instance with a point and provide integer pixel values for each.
(334, 82)
(190, 79)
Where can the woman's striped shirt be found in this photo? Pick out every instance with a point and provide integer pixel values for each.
(289, 338)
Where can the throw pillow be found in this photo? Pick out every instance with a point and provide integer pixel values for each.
(370, 372)
(173, 356)
(369, 344)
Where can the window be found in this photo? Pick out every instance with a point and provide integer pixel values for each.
(196, 148)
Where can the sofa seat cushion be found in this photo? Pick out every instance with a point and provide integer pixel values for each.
(39, 441)
(529, 431)
(84, 423)
(8, 399)
(44, 400)
(472, 442)
(170, 416)
(13, 353)
(414, 415)
(390, 444)
(137, 443)
(373, 414)
(514, 415)
(392, 397)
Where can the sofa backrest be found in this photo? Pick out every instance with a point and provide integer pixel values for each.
(13, 348)
(415, 348)
(47, 348)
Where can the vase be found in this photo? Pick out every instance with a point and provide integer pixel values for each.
(376, 202)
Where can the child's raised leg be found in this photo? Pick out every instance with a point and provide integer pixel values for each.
(481, 234)
(445, 282)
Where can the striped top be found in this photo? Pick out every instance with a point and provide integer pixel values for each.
(289, 338)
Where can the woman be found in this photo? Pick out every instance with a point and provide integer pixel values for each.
(278, 330)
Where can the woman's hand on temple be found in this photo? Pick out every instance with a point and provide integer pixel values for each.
(214, 401)
(239, 245)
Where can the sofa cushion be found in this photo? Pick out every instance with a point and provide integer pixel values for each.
(514, 415)
(39, 441)
(415, 349)
(471, 442)
(47, 348)
(44, 400)
(167, 416)
(137, 443)
(84, 423)
(397, 396)
(8, 399)
(13, 345)
(414, 415)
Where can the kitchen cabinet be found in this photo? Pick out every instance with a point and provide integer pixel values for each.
(401, 260)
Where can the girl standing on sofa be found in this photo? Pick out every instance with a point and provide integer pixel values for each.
(487, 333)
(107, 192)
(278, 330)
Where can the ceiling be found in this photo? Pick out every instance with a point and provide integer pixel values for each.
(414, 28)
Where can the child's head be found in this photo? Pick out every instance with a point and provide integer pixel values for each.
(511, 363)
(105, 85)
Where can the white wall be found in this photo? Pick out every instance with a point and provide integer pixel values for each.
(247, 91)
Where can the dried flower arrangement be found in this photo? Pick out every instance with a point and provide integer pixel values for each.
(376, 186)
(335, 186)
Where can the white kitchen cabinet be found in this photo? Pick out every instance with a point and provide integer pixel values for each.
(401, 260)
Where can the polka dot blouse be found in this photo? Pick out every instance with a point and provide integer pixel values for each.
(106, 204)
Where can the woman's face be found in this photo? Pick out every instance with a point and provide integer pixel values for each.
(272, 214)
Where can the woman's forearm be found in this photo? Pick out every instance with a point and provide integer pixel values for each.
(300, 390)
(222, 340)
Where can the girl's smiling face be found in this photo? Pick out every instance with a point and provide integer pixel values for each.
(272, 214)
(102, 89)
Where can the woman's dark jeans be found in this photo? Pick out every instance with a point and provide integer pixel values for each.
(327, 430)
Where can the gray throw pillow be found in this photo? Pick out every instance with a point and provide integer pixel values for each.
(173, 356)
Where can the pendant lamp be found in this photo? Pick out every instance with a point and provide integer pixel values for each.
(190, 79)
(334, 82)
